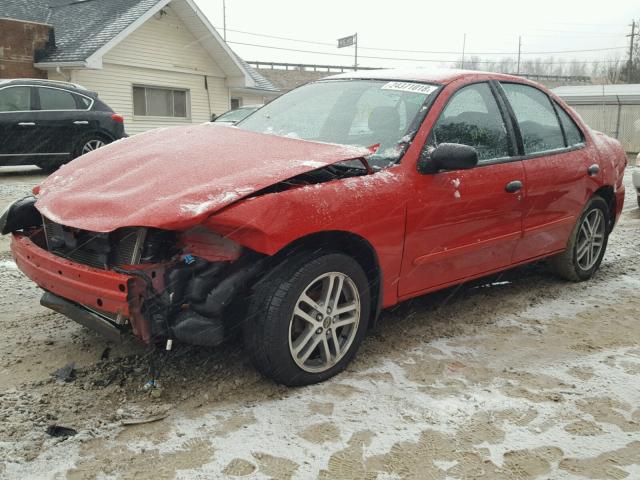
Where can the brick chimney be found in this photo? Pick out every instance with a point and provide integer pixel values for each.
(21, 43)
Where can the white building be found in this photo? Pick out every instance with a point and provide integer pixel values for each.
(157, 62)
(611, 109)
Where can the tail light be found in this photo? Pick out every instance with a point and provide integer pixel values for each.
(117, 118)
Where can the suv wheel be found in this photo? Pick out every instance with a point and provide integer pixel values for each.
(307, 318)
(587, 243)
(89, 143)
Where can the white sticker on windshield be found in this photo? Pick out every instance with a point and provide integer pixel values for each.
(410, 87)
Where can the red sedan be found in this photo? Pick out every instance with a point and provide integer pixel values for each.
(338, 199)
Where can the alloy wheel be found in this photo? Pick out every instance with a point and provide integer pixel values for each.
(324, 322)
(590, 239)
(92, 145)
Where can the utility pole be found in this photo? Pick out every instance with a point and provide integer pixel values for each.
(355, 63)
(519, 51)
(224, 19)
(631, 45)
(464, 44)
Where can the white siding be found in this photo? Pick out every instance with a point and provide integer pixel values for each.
(161, 53)
(249, 99)
(164, 43)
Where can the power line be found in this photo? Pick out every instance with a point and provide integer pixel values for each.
(435, 52)
(403, 58)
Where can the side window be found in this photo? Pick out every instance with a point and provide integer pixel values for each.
(15, 99)
(571, 130)
(54, 99)
(472, 118)
(537, 120)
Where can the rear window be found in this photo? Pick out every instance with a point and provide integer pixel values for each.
(537, 120)
(55, 99)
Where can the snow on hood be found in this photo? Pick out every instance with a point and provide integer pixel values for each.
(173, 178)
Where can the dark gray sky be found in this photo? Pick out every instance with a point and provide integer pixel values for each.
(434, 26)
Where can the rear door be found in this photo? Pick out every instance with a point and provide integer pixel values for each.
(555, 171)
(61, 119)
(465, 223)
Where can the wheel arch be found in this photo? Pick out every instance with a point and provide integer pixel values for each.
(350, 244)
(607, 193)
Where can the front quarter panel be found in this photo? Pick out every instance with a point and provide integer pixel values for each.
(371, 206)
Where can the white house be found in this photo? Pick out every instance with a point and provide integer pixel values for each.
(157, 62)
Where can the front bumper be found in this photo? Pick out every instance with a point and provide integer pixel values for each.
(103, 290)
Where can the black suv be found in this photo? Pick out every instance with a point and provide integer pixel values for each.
(48, 123)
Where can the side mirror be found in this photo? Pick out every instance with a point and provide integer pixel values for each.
(448, 156)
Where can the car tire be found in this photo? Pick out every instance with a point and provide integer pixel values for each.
(88, 143)
(638, 201)
(294, 342)
(587, 243)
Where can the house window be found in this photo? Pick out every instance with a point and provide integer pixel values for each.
(236, 103)
(159, 102)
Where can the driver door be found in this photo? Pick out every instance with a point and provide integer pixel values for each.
(18, 136)
(464, 223)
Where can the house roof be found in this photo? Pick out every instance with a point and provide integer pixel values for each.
(85, 29)
(607, 94)
(81, 27)
(261, 82)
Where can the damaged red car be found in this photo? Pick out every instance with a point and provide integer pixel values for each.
(338, 199)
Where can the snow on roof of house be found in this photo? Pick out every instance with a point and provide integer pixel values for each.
(81, 27)
(585, 94)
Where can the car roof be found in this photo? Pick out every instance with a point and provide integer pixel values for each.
(45, 83)
(440, 76)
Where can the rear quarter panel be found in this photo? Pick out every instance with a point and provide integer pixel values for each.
(605, 151)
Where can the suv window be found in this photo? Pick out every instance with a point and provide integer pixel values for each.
(537, 120)
(15, 99)
(472, 117)
(571, 130)
(54, 99)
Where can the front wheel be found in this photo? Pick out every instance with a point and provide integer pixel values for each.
(587, 244)
(307, 318)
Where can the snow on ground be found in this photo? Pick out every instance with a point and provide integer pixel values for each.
(516, 376)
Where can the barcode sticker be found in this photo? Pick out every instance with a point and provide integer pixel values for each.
(410, 87)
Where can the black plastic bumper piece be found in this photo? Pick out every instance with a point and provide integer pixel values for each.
(81, 315)
(20, 214)
(192, 328)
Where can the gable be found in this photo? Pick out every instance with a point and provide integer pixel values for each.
(164, 42)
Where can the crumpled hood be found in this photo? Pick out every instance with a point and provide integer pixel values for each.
(173, 178)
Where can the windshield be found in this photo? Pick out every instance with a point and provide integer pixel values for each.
(377, 114)
(236, 115)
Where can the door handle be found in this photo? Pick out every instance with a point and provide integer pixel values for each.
(27, 124)
(593, 170)
(81, 122)
(513, 186)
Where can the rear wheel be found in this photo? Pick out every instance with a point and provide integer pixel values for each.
(587, 244)
(89, 143)
(307, 318)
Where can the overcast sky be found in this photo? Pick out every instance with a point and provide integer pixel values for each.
(434, 26)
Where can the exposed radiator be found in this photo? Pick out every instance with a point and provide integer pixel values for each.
(99, 250)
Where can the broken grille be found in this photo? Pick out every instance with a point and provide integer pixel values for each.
(98, 250)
